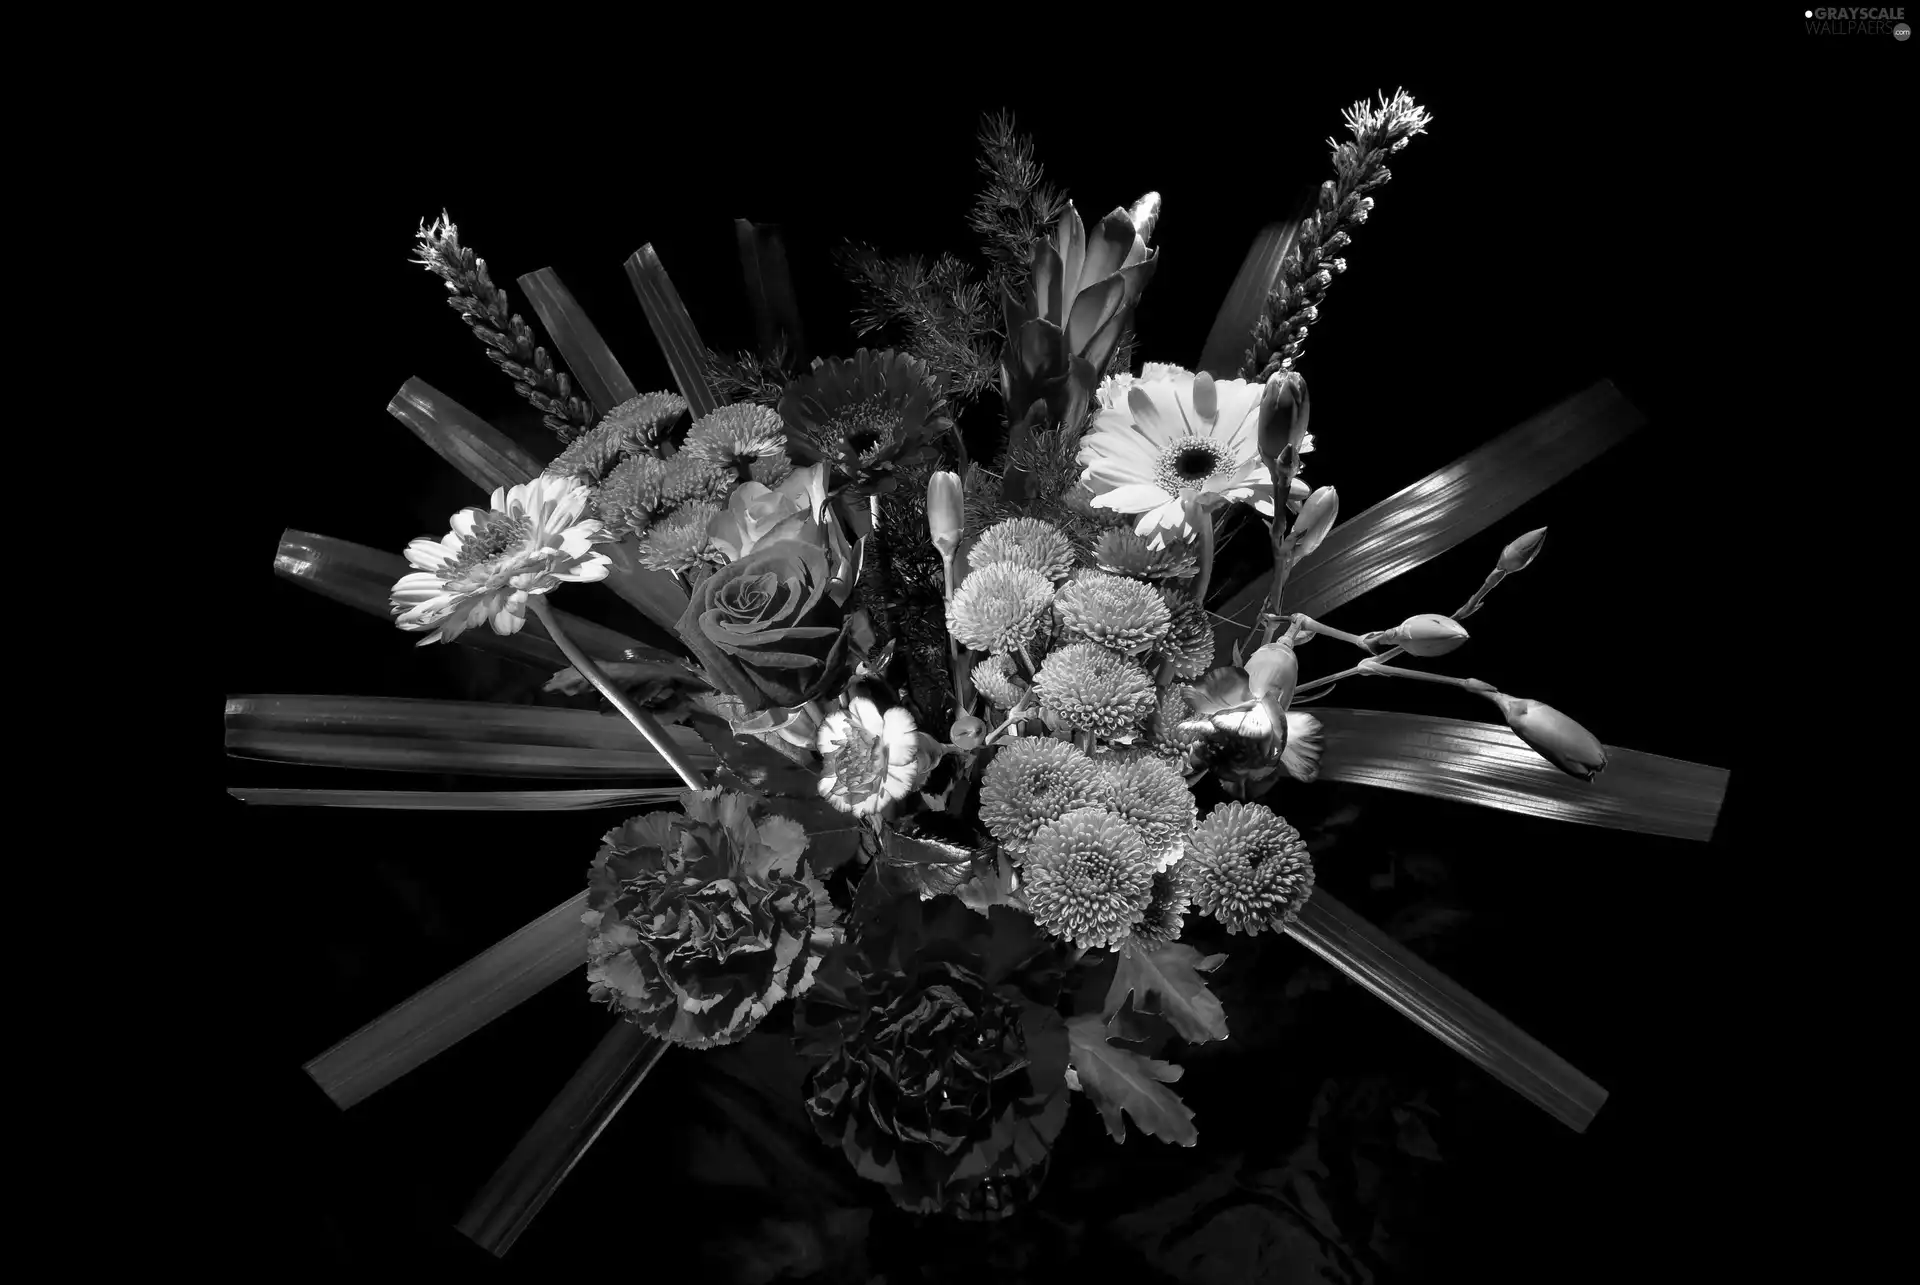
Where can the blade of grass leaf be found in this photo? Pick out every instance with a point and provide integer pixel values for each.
(459, 800)
(673, 328)
(1446, 1010)
(547, 1153)
(432, 1021)
(763, 264)
(592, 363)
(361, 577)
(1232, 333)
(484, 455)
(1424, 520)
(1486, 764)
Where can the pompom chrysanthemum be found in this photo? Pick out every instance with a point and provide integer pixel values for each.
(629, 496)
(738, 437)
(1031, 781)
(869, 759)
(993, 679)
(681, 543)
(1150, 795)
(1025, 542)
(633, 427)
(484, 570)
(1114, 611)
(1248, 868)
(1124, 552)
(1165, 917)
(1087, 879)
(1086, 686)
(999, 607)
(1189, 641)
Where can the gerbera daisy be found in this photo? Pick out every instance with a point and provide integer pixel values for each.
(870, 759)
(1170, 433)
(868, 416)
(487, 566)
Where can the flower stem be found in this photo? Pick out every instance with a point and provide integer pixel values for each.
(1392, 653)
(1280, 468)
(1313, 626)
(647, 725)
(1201, 523)
(1471, 684)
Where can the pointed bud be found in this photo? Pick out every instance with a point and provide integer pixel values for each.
(946, 512)
(1316, 518)
(1272, 672)
(1145, 214)
(1553, 736)
(1428, 635)
(1516, 556)
(1283, 414)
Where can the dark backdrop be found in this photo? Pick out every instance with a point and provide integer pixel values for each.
(1533, 242)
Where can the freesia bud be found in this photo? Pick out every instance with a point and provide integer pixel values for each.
(1428, 635)
(1272, 672)
(967, 733)
(1283, 414)
(1316, 518)
(1523, 551)
(1145, 213)
(1555, 737)
(946, 512)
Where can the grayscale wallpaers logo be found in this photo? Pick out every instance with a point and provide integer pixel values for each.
(1859, 22)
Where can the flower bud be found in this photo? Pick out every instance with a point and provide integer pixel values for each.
(1316, 519)
(1272, 672)
(1428, 635)
(1516, 556)
(1283, 414)
(1145, 214)
(946, 512)
(967, 733)
(1555, 737)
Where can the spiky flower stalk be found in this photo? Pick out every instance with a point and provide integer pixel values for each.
(1359, 167)
(509, 340)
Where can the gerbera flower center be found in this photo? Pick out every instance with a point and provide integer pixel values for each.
(866, 428)
(493, 534)
(1189, 462)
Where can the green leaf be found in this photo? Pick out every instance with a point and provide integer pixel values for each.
(1166, 981)
(477, 737)
(673, 328)
(1422, 521)
(1486, 764)
(833, 837)
(459, 800)
(753, 763)
(1119, 1080)
(1232, 333)
(763, 264)
(484, 455)
(592, 363)
(432, 1021)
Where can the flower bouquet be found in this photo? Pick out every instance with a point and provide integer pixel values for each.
(946, 735)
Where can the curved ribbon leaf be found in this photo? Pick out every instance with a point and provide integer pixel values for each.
(591, 362)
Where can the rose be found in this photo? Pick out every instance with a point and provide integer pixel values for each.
(757, 514)
(767, 629)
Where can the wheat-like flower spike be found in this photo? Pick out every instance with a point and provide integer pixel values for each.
(509, 339)
(1359, 167)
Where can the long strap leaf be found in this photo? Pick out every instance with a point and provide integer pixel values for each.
(543, 1158)
(432, 1021)
(578, 340)
(1446, 1010)
(763, 265)
(673, 328)
(1232, 332)
(484, 455)
(1485, 763)
(473, 737)
(1424, 520)
(459, 800)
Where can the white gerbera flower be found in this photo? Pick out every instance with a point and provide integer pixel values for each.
(490, 563)
(1169, 433)
(870, 758)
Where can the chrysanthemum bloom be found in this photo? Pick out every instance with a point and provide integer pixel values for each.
(700, 923)
(1165, 917)
(1034, 780)
(1125, 552)
(682, 542)
(1086, 877)
(1248, 868)
(634, 427)
(1176, 434)
(999, 607)
(868, 416)
(993, 679)
(1025, 542)
(1189, 641)
(1086, 686)
(747, 439)
(485, 569)
(629, 496)
(870, 759)
(1113, 611)
(1151, 795)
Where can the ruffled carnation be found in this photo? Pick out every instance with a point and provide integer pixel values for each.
(1189, 641)
(1123, 552)
(1087, 879)
(1151, 795)
(1025, 542)
(1248, 868)
(1086, 686)
(870, 759)
(999, 607)
(1031, 781)
(993, 678)
(1114, 611)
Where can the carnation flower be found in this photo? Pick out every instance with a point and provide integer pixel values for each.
(737, 438)
(493, 560)
(1248, 868)
(1025, 542)
(1114, 611)
(993, 678)
(1151, 795)
(1173, 434)
(1125, 552)
(1189, 641)
(1165, 917)
(701, 922)
(682, 542)
(1087, 878)
(1086, 686)
(999, 607)
(870, 759)
(1031, 781)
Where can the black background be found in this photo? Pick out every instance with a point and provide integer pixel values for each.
(1554, 228)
